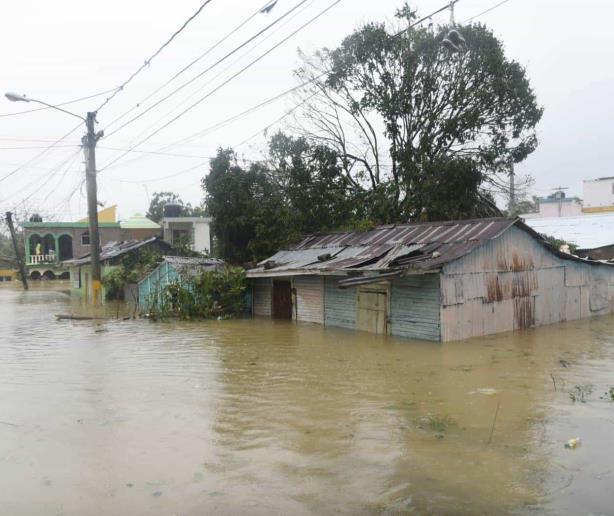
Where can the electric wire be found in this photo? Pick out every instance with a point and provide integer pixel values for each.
(228, 67)
(224, 83)
(209, 68)
(154, 55)
(30, 161)
(486, 11)
(189, 65)
(57, 105)
(220, 124)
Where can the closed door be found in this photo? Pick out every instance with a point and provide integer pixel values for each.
(372, 311)
(282, 300)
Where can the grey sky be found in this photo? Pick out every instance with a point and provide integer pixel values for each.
(58, 51)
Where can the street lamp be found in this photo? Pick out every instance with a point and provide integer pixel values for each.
(14, 97)
(89, 141)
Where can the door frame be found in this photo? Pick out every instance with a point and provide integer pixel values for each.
(382, 287)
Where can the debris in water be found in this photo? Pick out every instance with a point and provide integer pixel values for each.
(157, 494)
(574, 443)
(488, 391)
(564, 362)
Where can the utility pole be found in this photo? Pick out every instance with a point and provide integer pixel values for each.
(512, 204)
(89, 148)
(22, 268)
(559, 192)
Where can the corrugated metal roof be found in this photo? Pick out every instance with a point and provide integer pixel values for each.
(421, 246)
(187, 266)
(587, 231)
(114, 249)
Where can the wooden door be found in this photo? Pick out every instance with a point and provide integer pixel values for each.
(282, 299)
(372, 309)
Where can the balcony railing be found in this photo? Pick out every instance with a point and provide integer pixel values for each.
(42, 258)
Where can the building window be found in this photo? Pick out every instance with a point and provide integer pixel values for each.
(85, 238)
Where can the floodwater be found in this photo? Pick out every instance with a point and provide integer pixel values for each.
(261, 417)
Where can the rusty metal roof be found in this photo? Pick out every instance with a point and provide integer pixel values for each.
(422, 246)
(114, 249)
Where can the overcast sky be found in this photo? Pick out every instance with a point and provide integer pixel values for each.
(66, 49)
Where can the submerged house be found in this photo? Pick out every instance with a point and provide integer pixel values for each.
(172, 269)
(111, 256)
(438, 281)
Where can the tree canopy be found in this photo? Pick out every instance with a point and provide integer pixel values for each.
(160, 199)
(402, 111)
(394, 126)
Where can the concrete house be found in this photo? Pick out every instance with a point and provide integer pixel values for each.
(48, 244)
(111, 256)
(435, 281)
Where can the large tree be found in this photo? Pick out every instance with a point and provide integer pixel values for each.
(404, 110)
(161, 199)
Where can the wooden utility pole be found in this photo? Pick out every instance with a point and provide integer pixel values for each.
(89, 147)
(512, 205)
(20, 262)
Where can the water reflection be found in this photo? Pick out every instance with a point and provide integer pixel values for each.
(264, 417)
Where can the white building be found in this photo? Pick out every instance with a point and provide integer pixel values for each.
(558, 205)
(598, 195)
(195, 231)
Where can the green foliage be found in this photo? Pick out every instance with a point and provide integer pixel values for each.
(433, 131)
(132, 268)
(210, 294)
(160, 199)
(472, 111)
(558, 242)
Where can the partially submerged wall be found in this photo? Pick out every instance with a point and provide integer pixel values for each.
(415, 307)
(261, 296)
(513, 282)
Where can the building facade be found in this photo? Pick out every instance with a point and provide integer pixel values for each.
(192, 231)
(48, 244)
(598, 195)
(435, 281)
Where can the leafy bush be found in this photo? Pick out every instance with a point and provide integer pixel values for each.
(207, 295)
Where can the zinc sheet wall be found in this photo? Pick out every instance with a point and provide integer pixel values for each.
(262, 296)
(150, 287)
(513, 282)
(339, 305)
(415, 307)
(309, 299)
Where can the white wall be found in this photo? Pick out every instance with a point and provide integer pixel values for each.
(202, 237)
(569, 208)
(599, 193)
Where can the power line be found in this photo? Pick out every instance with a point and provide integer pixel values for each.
(20, 167)
(154, 55)
(69, 160)
(486, 11)
(424, 18)
(218, 62)
(57, 105)
(249, 65)
(222, 72)
(192, 63)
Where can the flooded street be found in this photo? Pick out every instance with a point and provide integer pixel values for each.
(264, 417)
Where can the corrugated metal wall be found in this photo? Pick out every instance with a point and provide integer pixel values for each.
(262, 296)
(339, 305)
(415, 307)
(152, 285)
(513, 282)
(309, 298)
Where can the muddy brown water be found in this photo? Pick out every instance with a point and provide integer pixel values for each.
(262, 417)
